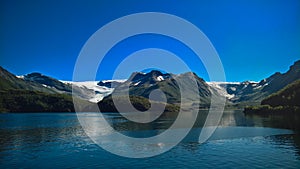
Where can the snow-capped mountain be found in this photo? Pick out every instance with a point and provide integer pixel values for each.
(89, 90)
(142, 84)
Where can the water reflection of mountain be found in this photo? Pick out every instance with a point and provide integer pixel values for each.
(229, 118)
(277, 121)
(39, 132)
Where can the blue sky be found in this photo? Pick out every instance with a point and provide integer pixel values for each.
(254, 38)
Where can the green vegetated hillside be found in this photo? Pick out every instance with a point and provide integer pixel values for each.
(281, 108)
(138, 102)
(18, 95)
(289, 96)
(285, 101)
(18, 100)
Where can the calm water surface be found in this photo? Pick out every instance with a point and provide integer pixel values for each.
(56, 140)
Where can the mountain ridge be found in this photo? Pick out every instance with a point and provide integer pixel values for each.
(142, 84)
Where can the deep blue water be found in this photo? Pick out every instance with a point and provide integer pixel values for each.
(45, 140)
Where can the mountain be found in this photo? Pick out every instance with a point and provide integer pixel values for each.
(142, 84)
(84, 90)
(285, 100)
(36, 92)
(237, 93)
(256, 91)
(19, 95)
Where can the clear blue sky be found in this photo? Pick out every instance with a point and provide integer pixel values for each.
(254, 38)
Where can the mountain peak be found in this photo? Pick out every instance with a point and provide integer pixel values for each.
(155, 72)
(34, 74)
(151, 77)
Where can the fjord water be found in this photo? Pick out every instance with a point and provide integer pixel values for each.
(56, 140)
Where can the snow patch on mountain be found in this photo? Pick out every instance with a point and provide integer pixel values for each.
(91, 91)
(159, 78)
(47, 86)
(119, 81)
(233, 88)
(221, 88)
(137, 83)
(20, 77)
(224, 83)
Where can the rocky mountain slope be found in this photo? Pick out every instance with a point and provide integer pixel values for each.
(142, 84)
(256, 91)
